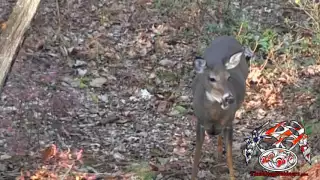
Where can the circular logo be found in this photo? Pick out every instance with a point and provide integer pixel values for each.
(278, 159)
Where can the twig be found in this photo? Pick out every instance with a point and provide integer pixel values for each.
(206, 11)
(59, 20)
(240, 29)
(65, 175)
(256, 46)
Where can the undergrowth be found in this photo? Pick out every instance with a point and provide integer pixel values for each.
(278, 58)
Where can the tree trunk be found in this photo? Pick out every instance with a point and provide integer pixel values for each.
(12, 35)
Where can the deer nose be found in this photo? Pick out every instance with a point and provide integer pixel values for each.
(228, 98)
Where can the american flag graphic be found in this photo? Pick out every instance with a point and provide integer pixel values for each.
(292, 132)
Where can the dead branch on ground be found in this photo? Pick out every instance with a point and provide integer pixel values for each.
(11, 37)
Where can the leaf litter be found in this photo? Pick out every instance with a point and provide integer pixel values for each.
(140, 68)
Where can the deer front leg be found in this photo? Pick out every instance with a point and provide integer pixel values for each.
(228, 135)
(199, 142)
(220, 149)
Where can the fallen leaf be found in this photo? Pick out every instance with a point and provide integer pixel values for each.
(79, 154)
(313, 173)
(142, 2)
(82, 72)
(3, 26)
(180, 109)
(98, 82)
(118, 156)
(49, 152)
(5, 156)
(144, 93)
(79, 63)
(181, 151)
(167, 62)
(153, 167)
(162, 106)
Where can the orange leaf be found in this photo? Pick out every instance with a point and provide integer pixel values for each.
(267, 93)
(313, 173)
(49, 152)
(3, 26)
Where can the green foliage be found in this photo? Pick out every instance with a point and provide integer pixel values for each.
(307, 126)
(308, 130)
(267, 40)
(142, 170)
(316, 39)
(180, 109)
(83, 82)
(247, 37)
(94, 98)
(259, 178)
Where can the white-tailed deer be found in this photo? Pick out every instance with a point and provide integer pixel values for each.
(218, 92)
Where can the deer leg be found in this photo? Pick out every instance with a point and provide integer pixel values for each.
(228, 135)
(199, 142)
(219, 152)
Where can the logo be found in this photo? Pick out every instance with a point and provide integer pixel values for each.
(278, 159)
(275, 144)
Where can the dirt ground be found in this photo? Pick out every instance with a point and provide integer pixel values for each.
(113, 78)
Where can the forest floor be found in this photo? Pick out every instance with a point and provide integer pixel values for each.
(110, 80)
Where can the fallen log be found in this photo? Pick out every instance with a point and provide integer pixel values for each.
(12, 33)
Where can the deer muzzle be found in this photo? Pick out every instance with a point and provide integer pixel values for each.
(227, 99)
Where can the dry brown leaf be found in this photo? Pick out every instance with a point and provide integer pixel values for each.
(252, 104)
(3, 26)
(254, 75)
(272, 100)
(143, 39)
(263, 80)
(153, 167)
(283, 80)
(313, 173)
(267, 92)
(181, 151)
(49, 152)
(159, 29)
(162, 106)
(161, 44)
(43, 174)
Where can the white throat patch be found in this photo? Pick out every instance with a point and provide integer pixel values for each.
(212, 98)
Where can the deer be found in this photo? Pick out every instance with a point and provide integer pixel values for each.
(218, 91)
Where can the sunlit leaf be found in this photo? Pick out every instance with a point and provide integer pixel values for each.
(49, 152)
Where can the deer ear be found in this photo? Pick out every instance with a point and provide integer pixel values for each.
(234, 60)
(200, 64)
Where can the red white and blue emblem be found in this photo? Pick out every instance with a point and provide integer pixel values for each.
(283, 138)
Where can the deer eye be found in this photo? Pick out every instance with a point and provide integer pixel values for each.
(229, 78)
(212, 79)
